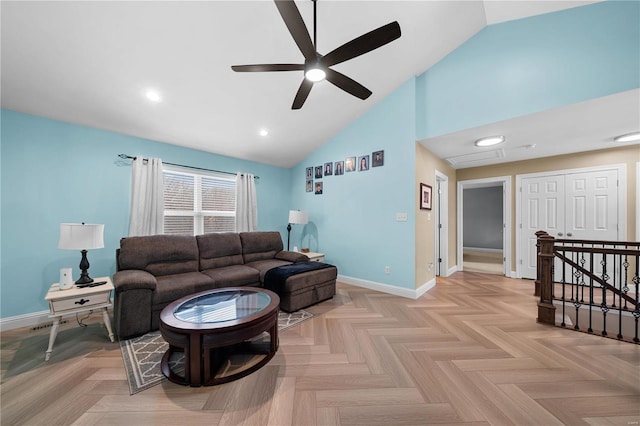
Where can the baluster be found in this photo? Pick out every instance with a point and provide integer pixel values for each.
(603, 306)
(636, 311)
(590, 329)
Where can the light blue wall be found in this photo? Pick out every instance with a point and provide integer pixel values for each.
(353, 221)
(529, 65)
(54, 172)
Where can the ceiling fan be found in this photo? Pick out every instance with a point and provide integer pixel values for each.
(316, 67)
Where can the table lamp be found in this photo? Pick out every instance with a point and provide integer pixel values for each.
(83, 237)
(296, 217)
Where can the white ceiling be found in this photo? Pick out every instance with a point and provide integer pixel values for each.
(90, 63)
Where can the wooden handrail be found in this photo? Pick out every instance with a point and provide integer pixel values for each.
(624, 254)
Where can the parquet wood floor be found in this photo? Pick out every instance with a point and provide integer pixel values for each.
(469, 352)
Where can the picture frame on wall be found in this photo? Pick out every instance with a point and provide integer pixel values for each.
(309, 185)
(309, 174)
(426, 196)
(363, 163)
(328, 169)
(318, 188)
(318, 172)
(377, 159)
(339, 168)
(350, 164)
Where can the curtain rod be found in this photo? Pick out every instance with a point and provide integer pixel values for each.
(128, 157)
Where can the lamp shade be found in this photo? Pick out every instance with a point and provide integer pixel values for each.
(297, 216)
(81, 236)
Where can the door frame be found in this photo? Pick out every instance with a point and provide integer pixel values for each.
(442, 217)
(622, 200)
(505, 182)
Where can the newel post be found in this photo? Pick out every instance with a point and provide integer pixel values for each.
(544, 281)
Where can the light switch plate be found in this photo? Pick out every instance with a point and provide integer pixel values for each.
(401, 217)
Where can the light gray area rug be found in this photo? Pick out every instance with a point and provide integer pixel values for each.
(142, 355)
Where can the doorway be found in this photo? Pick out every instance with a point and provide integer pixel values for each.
(484, 225)
(441, 224)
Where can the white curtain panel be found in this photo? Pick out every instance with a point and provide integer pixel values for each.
(147, 197)
(246, 204)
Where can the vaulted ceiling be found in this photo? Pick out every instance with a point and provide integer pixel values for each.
(91, 63)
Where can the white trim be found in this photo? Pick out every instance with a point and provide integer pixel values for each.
(638, 201)
(389, 289)
(442, 217)
(505, 182)
(452, 270)
(622, 200)
(25, 320)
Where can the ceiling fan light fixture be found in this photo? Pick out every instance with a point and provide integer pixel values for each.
(629, 137)
(315, 74)
(489, 141)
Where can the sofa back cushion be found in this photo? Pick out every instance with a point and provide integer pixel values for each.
(159, 254)
(218, 250)
(260, 245)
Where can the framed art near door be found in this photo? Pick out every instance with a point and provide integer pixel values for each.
(425, 196)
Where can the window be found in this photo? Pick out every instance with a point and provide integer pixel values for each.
(196, 203)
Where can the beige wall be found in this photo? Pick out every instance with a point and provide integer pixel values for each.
(426, 165)
(629, 155)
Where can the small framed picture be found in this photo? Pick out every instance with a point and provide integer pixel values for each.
(339, 168)
(309, 185)
(425, 196)
(350, 164)
(328, 169)
(377, 159)
(318, 172)
(363, 163)
(318, 187)
(309, 174)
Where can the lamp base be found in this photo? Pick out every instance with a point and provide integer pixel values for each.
(84, 267)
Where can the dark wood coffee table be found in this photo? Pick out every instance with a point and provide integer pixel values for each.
(213, 326)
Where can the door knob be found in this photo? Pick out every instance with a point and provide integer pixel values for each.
(560, 234)
(569, 234)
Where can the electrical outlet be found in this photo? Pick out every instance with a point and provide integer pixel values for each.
(430, 266)
(401, 217)
(387, 270)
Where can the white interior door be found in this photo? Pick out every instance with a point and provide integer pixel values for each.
(542, 206)
(582, 205)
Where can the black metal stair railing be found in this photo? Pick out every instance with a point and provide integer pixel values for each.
(598, 280)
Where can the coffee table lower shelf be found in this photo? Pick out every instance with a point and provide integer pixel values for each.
(224, 364)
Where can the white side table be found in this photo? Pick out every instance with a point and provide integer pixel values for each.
(76, 300)
(315, 257)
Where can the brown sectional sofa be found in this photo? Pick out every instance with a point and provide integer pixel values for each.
(156, 270)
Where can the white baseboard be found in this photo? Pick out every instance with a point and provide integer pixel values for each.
(389, 289)
(452, 270)
(26, 320)
(482, 249)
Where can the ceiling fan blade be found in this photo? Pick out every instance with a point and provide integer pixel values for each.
(363, 44)
(302, 94)
(293, 20)
(267, 67)
(347, 84)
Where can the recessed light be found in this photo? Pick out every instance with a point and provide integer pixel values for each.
(629, 137)
(264, 132)
(490, 140)
(153, 96)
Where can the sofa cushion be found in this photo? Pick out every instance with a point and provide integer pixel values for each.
(233, 275)
(264, 265)
(218, 250)
(173, 287)
(260, 245)
(159, 254)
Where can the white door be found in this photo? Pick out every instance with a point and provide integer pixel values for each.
(543, 201)
(581, 205)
